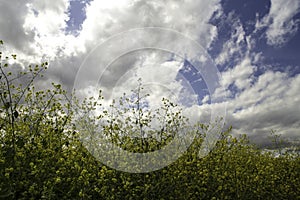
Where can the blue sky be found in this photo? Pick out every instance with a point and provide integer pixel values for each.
(77, 16)
(254, 45)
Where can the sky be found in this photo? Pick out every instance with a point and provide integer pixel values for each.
(234, 58)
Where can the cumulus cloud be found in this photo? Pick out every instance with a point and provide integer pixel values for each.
(105, 18)
(258, 102)
(234, 44)
(240, 75)
(47, 18)
(156, 71)
(281, 25)
(11, 21)
(42, 28)
(48, 21)
(271, 103)
(34, 30)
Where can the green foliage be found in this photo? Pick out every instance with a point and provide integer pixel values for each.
(41, 156)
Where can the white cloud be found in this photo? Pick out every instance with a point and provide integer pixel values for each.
(240, 75)
(34, 30)
(259, 104)
(11, 21)
(234, 44)
(205, 99)
(40, 25)
(157, 73)
(47, 21)
(47, 18)
(239, 59)
(105, 19)
(271, 103)
(279, 22)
